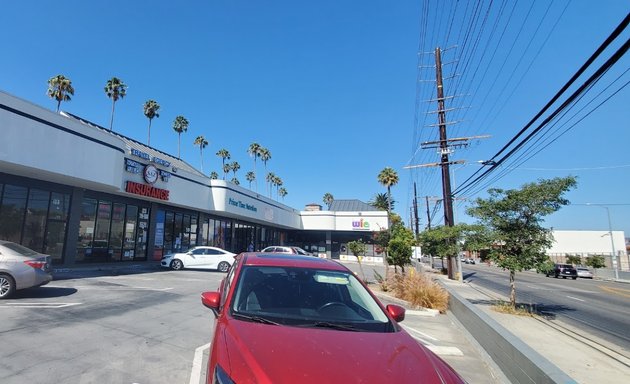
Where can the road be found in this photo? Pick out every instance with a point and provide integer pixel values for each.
(599, 308)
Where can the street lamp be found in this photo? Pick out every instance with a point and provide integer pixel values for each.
(612, 241)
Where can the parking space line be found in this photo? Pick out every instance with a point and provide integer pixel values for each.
(195, 373)
(575, 298)
(37, 305)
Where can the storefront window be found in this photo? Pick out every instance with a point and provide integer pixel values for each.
(56, 228)
(168, 231)
(12, 212)
(86, 230)
(36, 211)
(142, 235)
(186, 233)
(117, 231)
(131, 223)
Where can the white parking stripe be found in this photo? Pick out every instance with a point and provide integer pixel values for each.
(195, 373)
(575, 298)
(422, 336)
(37, 305)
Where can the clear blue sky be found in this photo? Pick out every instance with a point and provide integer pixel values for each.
(336, 90)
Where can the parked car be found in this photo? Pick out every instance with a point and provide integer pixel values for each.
(308, 320)
(584, 272)
(21, 268)
(286, 249)
(564, 270)
(201, 257)
(470, 261)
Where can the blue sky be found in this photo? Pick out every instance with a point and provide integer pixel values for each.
(337, 90)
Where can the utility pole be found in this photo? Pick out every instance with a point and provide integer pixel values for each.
(428, 213)
(415, 209)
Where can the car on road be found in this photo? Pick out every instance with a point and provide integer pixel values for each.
(286, 249)
(201, 257)
(563, 270)
(470, 260)
(299, 319)
(21, 268)
(584, 272)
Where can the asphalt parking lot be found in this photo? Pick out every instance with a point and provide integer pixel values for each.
(144, 327)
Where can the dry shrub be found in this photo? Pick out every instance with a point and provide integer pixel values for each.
(419, 290)
(520, 310)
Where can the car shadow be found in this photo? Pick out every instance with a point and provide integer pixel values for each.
(43, 292)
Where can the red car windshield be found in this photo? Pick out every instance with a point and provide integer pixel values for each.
(306, 297)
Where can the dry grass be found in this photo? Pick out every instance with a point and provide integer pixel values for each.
(520, 310)
(419, 290)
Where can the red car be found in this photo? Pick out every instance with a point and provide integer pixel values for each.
(298, 319)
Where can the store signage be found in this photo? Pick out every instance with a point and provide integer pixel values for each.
(147, 190)
(363, 225)
(150, 174)
(132, 166)
(240, 204)
(146, 156)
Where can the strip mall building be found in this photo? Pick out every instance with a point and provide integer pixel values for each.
(84, 194)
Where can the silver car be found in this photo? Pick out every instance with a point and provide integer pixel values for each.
(21, 268)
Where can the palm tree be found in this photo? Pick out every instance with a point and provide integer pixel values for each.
(226, 169)
(115, 89)
(250, 176)
(388, 178)
(254, 151)
(328, 199)
(224, 154)
(151, 108)
(380, 201)
(235, 181)
(277, 181)
(180, 125)
(282, 192)
(265, 156)
(235, 166)
(270, 178)
(60, 88)
(202, 143)
(214, 175)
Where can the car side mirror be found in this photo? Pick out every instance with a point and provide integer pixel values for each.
(396, 312)
(211, 300)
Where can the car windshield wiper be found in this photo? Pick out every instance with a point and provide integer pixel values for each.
(325, 324)
(256, 319)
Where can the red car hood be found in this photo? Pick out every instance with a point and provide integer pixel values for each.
(259, 353)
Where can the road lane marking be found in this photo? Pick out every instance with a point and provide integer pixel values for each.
(616, 291)
(575, 298)
(37, 305)
(195, 373)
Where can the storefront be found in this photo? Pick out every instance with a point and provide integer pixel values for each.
(95, 196)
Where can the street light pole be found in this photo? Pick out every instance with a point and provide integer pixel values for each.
(612, 241)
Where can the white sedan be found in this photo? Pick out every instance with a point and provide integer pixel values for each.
(200, 257)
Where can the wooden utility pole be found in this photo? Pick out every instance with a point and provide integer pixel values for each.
(415, 210)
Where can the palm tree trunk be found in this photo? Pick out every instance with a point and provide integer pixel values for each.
(201, 154)
(111, 120)
(58, 105)
(149, 137)
(179, 140)
(512, 289)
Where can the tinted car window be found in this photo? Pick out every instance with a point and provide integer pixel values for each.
(19, 249)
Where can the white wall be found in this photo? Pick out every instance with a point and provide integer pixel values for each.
(592, 242)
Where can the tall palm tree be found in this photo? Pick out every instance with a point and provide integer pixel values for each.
(214, 175)
(224, 154)
(180, 125)
(282, 192)
(270, 178)
(250, 176)
(202, 143)
(388, 178)
(151, 108)
(277, 181)
(115, 89)
(254, 151)
(328, 199)
(226, 169)
(60, 88)
(235, 181)
(265, 156)
(235, 166)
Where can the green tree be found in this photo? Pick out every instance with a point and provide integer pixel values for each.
(399, 247)
(202, 143)
(328, 199)
(115, 89)
(476, 238)
(277, 181)
(151, 108)
(388, 178)
(595, 261)
(224, 154)
(265, 156)
(214, 175)
(380, 201)
(234, 167)
(358, 249)
(515, 217)
(282, 192)
(250, 176)
(254, 151)
(180, 125)
(235, 181)
(270, 179)
(60, 88)
(227, 168)
(574, 259)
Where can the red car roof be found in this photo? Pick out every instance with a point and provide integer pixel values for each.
(289, 260)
